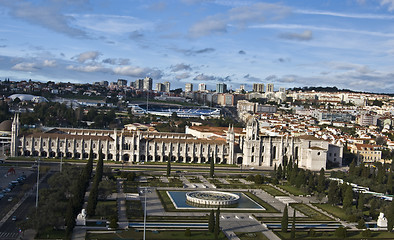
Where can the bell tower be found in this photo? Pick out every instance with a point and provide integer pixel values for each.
(14, 135)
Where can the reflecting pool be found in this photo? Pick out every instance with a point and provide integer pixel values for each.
(178, 198)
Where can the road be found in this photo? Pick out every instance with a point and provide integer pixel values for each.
(142, 167)
(9, 230)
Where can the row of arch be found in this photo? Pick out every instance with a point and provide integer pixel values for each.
(125, 157)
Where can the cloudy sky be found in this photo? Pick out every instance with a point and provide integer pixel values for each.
(291, 43)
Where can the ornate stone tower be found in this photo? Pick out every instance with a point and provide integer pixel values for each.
(230, 138)
(14, 136)
(251, 150)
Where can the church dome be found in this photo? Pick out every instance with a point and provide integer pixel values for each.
(6, 126)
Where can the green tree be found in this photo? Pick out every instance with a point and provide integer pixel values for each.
(188, 233)
(390, 187)
(212, 167)
(390, 217)
(340, 232)
(300, 179)
(293, 231)
(381, 173)
(279, 173)
(360, 204)
(373, 208)
(211, 222)
(285, 220)
(361, 223)
(258, 179)
(352, 168)
(169, 167)
(348, 197)
(321, 181)
(217, 224)
(113, 222)
(333, 193)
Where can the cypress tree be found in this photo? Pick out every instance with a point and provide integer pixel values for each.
(321, 181)
(169, 167)
(211, 223)
(217, 224)
(360, 204)
(348, 197)
(390, 188)
(293, 226)
(279, 173)
(333, 193)
(390, 217)
(285, 220)
(288, 170)
(352, 168)
(212, 167)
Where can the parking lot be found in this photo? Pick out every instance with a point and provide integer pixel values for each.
(12, 179)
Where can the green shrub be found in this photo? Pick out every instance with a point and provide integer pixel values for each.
(312, 233)
(366, 233)
(361, 224)
(188, 233)
(340, 232)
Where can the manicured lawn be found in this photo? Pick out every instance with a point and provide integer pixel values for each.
(194, 180)
(310, 212)
(291, 189)
(105, 209)
(334, 210)
(130, 187)
(273, 191)
(52, 234)
(159, 235)
(234, 181)
(330, 235)
(173, 182)
(251, 236)
(134, 209)
(268, 208)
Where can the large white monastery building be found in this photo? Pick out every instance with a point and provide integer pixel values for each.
(199, 144)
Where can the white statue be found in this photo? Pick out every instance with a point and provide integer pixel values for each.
(81, 218)
(382, 220)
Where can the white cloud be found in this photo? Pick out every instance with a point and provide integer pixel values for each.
(180, 67)
(304, 36)
(203, 77)
(350, 66)
(85, 56)
(182, 76)
(208, 26)
(111, 24)
(117, 61)
(344, 15)
(27, 67)
(89, 68)
(239, 16)
(317, 28)
(47, 15)
(390, 4)
(49, 63)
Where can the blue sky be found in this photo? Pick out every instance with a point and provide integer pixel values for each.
(293, 43)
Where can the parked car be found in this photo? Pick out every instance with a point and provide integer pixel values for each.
(1, 195)
(13, 218)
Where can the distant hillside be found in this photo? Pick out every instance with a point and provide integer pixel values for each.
(331, 89)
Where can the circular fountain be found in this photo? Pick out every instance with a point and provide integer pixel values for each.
(212, 198)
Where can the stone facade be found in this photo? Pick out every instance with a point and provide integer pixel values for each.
(250, 148)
